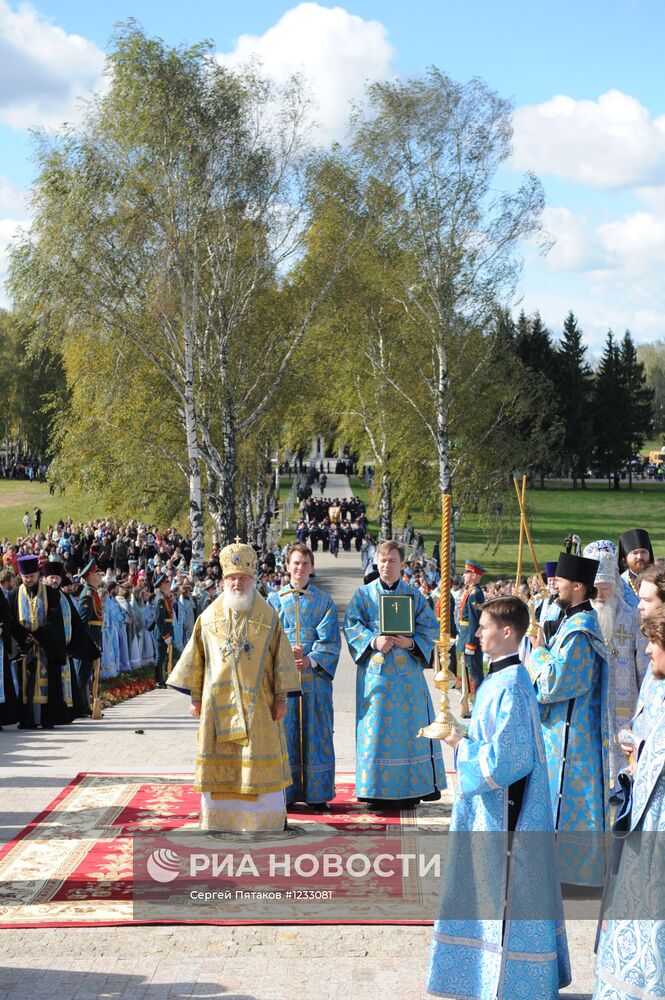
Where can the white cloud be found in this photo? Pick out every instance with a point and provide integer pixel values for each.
(576, 245)
(609, 274)
(14, 214)
(336, 51)
(44, 71)
(609, 143)
(12, 199)
(636, 242)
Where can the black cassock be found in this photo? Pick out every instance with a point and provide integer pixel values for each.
(51, 638)
(81, 647)
(13, 639)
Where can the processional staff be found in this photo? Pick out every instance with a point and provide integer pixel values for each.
(445, 721)
(296, 601)
(525, 533)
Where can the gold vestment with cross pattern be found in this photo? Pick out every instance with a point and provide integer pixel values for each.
(235, 664)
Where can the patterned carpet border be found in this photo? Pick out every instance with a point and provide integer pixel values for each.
(72, 865)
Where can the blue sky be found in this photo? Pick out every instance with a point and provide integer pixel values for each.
(584, 78)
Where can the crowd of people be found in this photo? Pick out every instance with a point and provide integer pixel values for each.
(17, 466)
(332, 522)
(562, 679)
(565, 679)
(137, 575)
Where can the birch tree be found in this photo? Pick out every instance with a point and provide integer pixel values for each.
(437, 145)
(172, 220)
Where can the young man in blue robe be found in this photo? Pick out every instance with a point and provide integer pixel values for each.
(394, 768)
(570, 674)
(314, 637)
(631, 953)
(501, 933)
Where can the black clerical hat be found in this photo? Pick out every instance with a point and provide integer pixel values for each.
(579, 569)
(52, 568)
(28, 564)
(636, 538)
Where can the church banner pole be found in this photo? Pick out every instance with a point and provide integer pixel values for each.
(445, 721)
(96, 702)
(520, 551)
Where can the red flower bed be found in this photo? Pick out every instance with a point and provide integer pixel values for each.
(127, 686)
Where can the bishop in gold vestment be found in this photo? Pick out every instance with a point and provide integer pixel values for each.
(239, 669)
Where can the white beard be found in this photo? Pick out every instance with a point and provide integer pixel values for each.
(607, 614)
(239, 602)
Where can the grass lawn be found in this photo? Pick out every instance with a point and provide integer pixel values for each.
(595, 512)
(17, 496)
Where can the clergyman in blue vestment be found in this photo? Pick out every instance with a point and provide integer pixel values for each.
(501, 934)
(631, 954)
(314, 637)
(394, 768)
(571, 679)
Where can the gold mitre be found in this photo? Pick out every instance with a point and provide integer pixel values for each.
(238, 558)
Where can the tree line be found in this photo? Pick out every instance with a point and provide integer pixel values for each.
(217, 288)
(597, 419)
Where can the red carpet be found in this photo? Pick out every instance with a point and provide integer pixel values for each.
(73, 865)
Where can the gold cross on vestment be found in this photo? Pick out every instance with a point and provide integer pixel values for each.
(621, 635)
(215, 622)
(258, 623)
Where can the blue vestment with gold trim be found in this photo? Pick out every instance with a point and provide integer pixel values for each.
(486, 944)
(393, 701)
(309, 719)
(571, 679)
(631, 955)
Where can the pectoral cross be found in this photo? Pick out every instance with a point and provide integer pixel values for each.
(296, 598)
(621, 635)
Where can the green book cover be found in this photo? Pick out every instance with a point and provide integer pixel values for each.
(396, 614)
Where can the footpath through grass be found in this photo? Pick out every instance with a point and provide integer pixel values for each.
(554, 512)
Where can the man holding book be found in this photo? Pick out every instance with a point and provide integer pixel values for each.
(391, 630)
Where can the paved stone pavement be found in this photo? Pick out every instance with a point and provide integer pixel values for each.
(248, 963)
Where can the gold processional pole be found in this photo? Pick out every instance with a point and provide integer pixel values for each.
(520, 551)
(445, 721)
(96, 702)
(525, 532)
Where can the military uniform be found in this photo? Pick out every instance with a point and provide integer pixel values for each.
(90, 612)
(163, 631)
(467, 620)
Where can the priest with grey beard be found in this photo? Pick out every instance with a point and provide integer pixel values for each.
(239, 670)
(620, 625)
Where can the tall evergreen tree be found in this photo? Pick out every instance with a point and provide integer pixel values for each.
(535, 349)
(608, 412)
(637, 398)
(574, 381)
(533, 343)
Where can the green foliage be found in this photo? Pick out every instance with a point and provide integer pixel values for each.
(653, 358)
(574, 381)
(34, 388)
